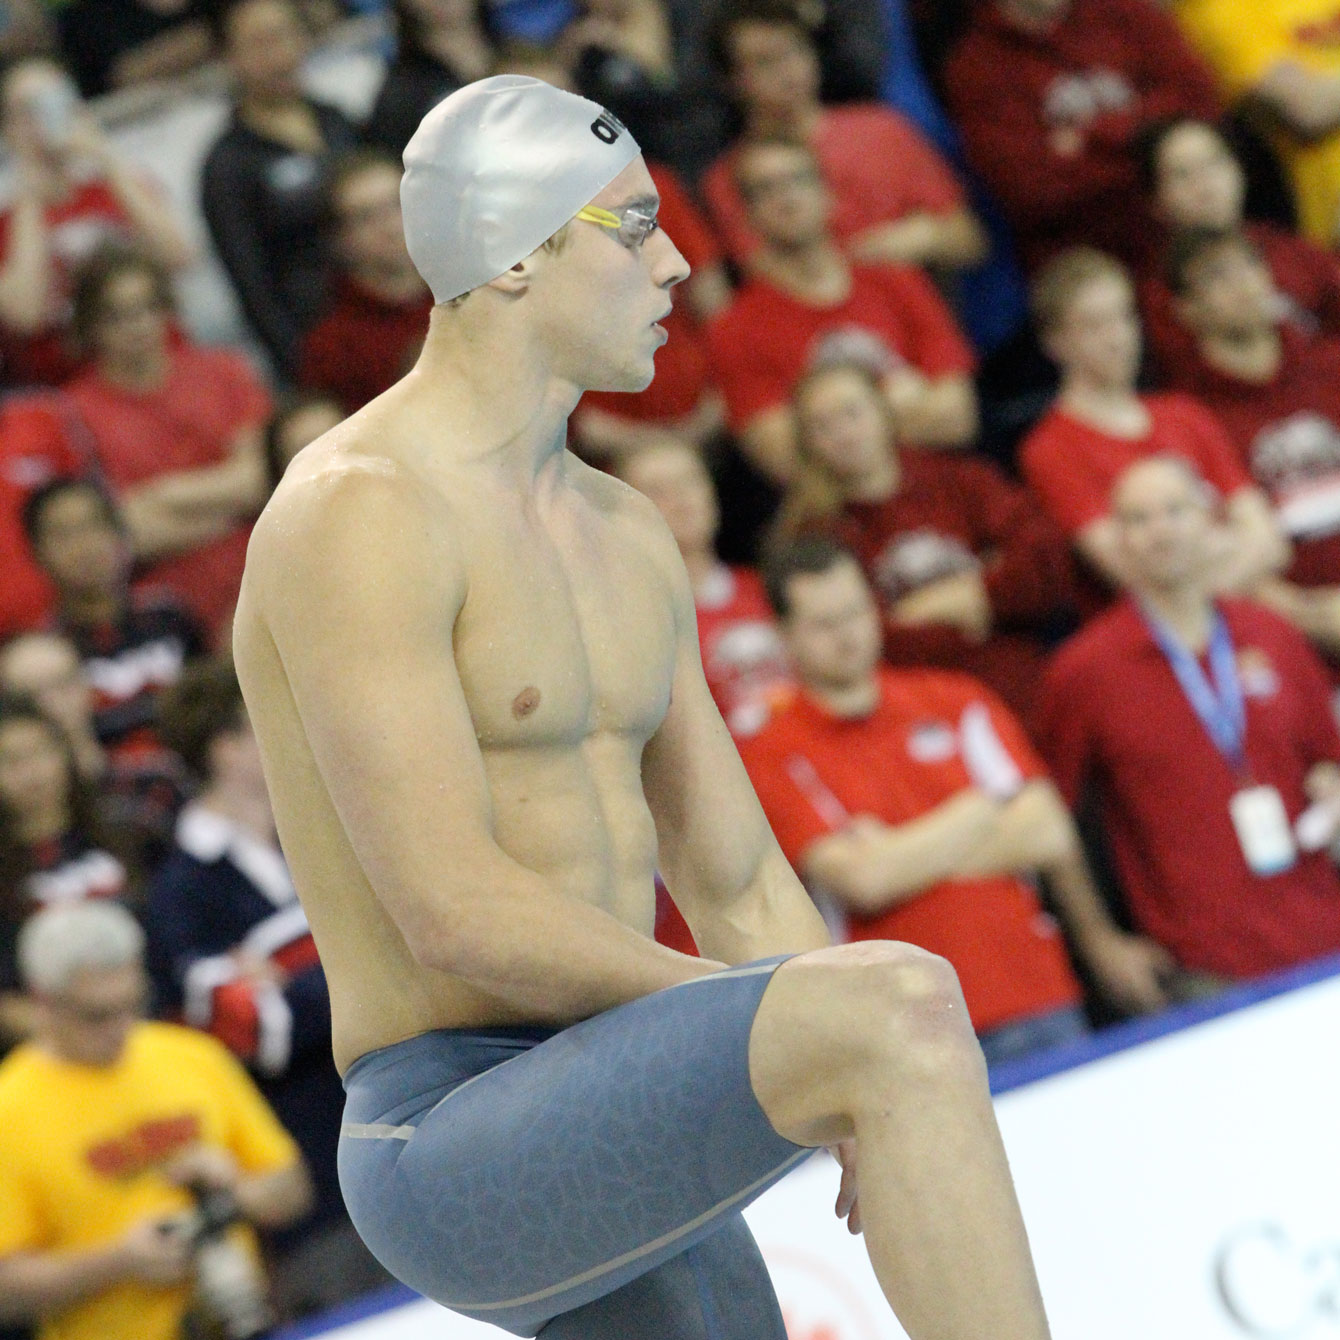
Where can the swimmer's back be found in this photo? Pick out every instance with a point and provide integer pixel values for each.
(437, 666)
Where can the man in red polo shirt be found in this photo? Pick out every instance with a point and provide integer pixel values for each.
(1051, 96)
(373, 330)
(815, 306)
(1277, 393)
(1084, 306)
(1204, 729)
(914, 799)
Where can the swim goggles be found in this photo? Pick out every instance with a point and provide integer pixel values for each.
(633, 224)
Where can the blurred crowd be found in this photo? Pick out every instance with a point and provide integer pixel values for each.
(998, 428)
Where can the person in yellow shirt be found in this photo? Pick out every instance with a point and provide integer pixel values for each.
(1283, 56)
(105, 1121)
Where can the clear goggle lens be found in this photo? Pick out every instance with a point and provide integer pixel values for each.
(633, 224)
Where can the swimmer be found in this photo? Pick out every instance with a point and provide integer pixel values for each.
(471, 664)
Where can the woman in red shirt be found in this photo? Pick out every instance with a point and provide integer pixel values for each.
(971, 574)
(177, 430)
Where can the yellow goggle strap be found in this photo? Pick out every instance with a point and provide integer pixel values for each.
(604, 217)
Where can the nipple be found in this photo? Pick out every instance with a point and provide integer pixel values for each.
(525, 702)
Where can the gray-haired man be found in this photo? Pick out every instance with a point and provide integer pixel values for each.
(105, 1120)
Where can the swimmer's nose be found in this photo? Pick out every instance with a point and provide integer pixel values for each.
(670, 267)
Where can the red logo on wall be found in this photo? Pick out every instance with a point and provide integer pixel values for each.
(818, 1301)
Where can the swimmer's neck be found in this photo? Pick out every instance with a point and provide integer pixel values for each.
(492, 383)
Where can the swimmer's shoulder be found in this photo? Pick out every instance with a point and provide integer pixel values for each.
(636, 516)
(346, 511)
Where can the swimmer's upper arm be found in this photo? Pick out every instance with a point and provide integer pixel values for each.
(358, 580)
(718, 856)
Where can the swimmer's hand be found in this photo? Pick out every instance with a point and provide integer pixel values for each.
(847, 1207)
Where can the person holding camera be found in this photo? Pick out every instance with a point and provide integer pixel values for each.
(72, 191)
(135, 1157)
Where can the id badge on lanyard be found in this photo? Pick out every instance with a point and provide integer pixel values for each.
(1259, 818)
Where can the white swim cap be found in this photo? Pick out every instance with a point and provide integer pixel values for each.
(497, 169)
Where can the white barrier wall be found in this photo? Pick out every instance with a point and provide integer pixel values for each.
(1186, 1189)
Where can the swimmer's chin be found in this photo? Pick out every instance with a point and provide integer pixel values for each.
(631, 380)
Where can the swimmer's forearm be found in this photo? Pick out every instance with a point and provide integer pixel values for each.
(771, 915)
(552, 957)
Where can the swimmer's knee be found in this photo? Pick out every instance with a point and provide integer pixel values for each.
(882, 998)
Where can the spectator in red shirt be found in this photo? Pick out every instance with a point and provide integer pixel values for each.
(914, 800)
(742, 653)
(132, 646)
(1050, 96)
(1194, 180)
(72, 190)
(816, 306)
(177, 430)
(1084, 306)
(970, 573)
(373, 329)
(1204, 728)
(683, 398)
(895, 199)
(36, 446)
(1277, 393)
(743, 659)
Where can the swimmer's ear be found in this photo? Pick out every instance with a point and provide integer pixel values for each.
(518, 279)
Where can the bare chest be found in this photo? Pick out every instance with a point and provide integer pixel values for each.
(567, 633)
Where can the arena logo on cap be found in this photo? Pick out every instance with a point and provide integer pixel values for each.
(607, 127)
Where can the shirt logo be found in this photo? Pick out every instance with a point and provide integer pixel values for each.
(915, 558)
(932, 742)
(153, 665)
(854, 344)
(1075, 99)
(1297, 461)
(147, 1146)
(1320, 32)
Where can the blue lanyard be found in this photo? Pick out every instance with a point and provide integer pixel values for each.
(1220, 705)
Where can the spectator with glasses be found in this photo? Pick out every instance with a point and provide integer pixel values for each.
(106, 1121)
(810, 304)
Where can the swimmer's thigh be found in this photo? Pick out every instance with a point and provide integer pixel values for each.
(563, 1174)
(718, 1290)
